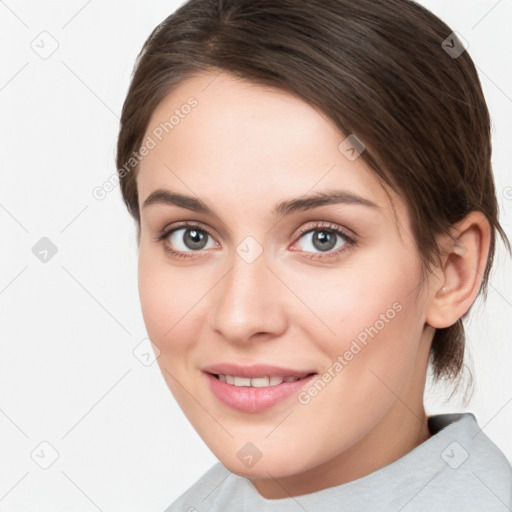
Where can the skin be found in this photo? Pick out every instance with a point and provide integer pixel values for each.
(242, 150)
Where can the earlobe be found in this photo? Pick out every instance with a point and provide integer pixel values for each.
(463, 266)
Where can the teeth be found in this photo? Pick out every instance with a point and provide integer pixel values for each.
(241, 381)
(256, 382)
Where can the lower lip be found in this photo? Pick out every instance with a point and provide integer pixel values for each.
(249, 399)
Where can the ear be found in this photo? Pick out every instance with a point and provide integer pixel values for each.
(460, 275)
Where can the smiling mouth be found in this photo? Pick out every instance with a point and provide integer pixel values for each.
(258, 382)
(258, 388)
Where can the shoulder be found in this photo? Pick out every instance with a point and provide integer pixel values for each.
(198, 496)
(474, 471)
(488, 463)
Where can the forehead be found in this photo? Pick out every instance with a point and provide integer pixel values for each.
(249, 144)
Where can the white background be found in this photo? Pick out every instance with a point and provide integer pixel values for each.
(69, 326)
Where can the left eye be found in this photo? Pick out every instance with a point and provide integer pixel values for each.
(324, 240)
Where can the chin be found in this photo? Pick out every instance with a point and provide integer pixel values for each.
(274, 464)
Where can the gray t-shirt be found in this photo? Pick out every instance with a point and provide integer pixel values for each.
(458, 469)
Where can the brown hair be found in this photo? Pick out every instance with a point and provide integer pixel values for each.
(378, 69)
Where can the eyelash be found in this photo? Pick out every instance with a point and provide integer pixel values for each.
(320, 226)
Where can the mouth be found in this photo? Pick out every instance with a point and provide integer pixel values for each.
(254, 389)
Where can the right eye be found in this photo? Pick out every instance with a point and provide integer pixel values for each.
(186, 238)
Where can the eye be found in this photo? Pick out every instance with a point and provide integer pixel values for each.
(326, 238)
(187, 238)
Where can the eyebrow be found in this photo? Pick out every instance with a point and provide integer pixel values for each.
(304, 203)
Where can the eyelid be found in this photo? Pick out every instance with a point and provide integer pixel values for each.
(167, 230)
(318, 225)
(309, 226)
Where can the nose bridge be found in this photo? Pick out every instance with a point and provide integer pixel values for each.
(246, 301)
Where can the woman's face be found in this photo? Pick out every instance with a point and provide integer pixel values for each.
(325, 290)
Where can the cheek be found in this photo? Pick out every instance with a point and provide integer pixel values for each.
(167, 303)
(369, 315)
(372, 354)
(166, 300)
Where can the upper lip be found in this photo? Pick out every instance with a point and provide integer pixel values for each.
(255, 370)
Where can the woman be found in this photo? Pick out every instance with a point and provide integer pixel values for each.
(312, 188)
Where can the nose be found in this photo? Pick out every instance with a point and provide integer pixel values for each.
(248, 302)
